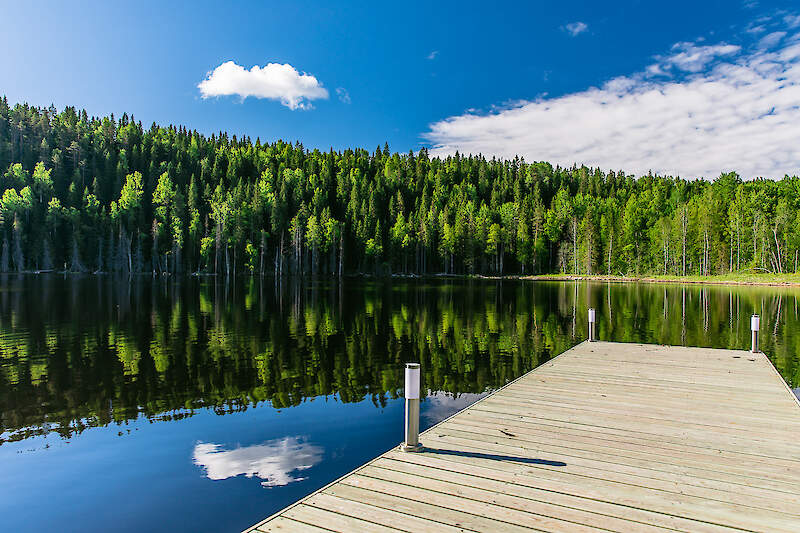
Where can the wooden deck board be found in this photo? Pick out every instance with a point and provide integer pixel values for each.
(605, 437)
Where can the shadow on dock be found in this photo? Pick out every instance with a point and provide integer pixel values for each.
(492, 457)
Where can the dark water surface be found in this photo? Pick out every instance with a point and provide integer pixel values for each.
(190, 405)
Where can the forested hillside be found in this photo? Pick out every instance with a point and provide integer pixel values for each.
(105, 194)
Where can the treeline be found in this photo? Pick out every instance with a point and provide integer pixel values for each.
(106, 195)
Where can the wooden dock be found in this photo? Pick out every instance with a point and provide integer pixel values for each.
(606, 436)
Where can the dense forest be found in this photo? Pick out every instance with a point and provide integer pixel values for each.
(104, 194)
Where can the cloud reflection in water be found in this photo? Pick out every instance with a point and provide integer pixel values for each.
(440, 405)
(273, 461)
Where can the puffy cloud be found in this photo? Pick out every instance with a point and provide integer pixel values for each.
(274, 461)
(698, 111)
(274, 81)
(433, 55)
(576, 28)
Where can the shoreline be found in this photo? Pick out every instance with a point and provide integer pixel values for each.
(741, 280)
(780, 280)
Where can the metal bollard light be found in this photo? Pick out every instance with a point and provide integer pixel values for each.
(411, 443)
(592, 322)
(755, 324)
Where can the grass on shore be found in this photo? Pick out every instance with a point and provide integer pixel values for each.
(734, 278)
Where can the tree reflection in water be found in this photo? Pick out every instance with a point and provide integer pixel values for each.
(77, 352)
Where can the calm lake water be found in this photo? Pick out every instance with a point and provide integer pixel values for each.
(190, 405)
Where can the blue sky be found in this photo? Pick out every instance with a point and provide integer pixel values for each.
(468, 76)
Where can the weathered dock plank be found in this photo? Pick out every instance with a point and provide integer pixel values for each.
(606, 436)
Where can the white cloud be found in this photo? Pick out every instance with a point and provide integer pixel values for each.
(575, 28)
(690, 57)
(274, 81)
(793, 21)
(433, 55)
(274, 461)
(772, 39)
(700, 111)
(343, 95)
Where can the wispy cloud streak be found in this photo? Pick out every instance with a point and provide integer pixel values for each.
(697, 111)
(576, 28)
